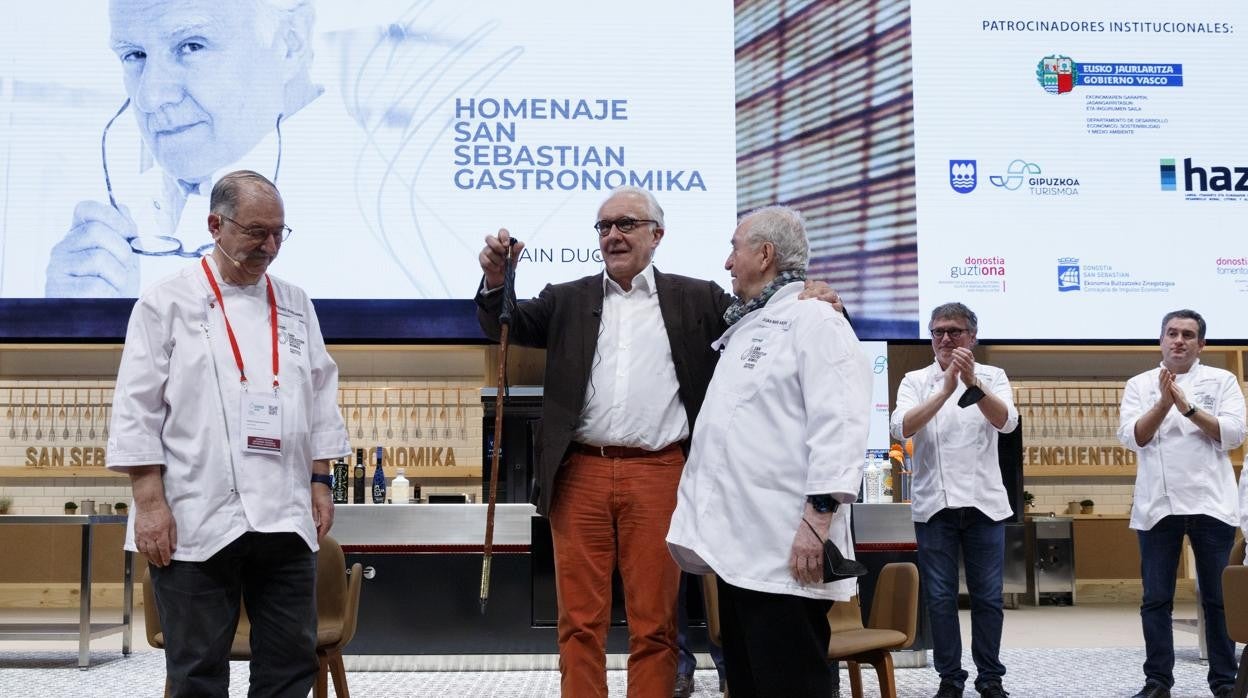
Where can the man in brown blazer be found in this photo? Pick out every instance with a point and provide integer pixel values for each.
(628, 360)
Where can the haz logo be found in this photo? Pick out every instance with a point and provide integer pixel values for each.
(1206, 182)
(1068, 274)
(962, 176)
(1167, 174)
(1057, 74)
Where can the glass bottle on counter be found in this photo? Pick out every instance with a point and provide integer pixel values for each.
(359, 476)
(399, 489)
(340, 481)
(379, 481)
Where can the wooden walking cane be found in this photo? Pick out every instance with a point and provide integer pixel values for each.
(504, 321)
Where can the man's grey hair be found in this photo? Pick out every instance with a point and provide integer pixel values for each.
(655, 211)
(228, 189)
(1184, 314)
(955, 311)
(785, 229)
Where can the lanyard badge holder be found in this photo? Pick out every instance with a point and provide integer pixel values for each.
(260, 416)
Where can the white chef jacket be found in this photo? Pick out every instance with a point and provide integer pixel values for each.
(785, 416)
(178, 403)
(632, 398)
(1183, 471)
(955, 454)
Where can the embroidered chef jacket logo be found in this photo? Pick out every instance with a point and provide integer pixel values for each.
(753, 353)
(294, 343)
(1206, 401)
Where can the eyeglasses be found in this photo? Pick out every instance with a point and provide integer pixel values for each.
(624, 225)
(951, 333)
(261, 234)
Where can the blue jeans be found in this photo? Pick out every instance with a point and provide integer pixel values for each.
(274, 574)
(1160, 547)
(982, 544)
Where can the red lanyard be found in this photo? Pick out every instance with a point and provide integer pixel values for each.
(238, 356)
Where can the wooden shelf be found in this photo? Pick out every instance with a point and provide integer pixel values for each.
(67, 472)
(1079, 471)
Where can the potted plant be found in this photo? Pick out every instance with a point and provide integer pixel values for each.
(1085, 507)
(121, 508)
(1029, 500)
(5, 503)
(71, 508)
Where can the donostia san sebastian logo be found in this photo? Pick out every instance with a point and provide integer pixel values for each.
(1059, 74)
(1068, 274)
(962, 176)
(1021, 172)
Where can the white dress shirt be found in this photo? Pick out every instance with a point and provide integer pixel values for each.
(632, 398)
(1183, 471)
(955, 454)
(178, 404)
(786, 416)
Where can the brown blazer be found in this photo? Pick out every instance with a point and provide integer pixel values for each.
(564, 320)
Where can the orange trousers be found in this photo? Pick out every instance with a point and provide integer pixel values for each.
(610, 512)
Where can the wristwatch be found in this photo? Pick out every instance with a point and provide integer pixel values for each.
(823, 503)
(324, 479)
(1191, 411)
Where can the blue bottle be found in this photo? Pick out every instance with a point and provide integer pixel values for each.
(379, 481)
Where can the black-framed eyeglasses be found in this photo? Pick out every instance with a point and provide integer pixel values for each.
(168, 245)
(258, 234)
(951, 332)
(624, 225)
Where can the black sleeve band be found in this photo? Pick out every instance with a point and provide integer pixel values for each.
(972, 395)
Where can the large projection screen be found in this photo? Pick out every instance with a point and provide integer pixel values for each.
(400, 133)
(1042, 163)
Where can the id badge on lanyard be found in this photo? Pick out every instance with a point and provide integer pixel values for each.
(261, 421)
(260, 415)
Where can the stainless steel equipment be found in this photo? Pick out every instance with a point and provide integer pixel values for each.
(1014, 572)
(1050, 559)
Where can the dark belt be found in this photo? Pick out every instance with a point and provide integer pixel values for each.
(623, 451)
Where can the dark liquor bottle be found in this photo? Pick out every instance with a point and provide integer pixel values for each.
(359, 476)
(379, 481)
(340, 481)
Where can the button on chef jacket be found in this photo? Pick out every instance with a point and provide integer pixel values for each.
(786, 416)
(177, 403)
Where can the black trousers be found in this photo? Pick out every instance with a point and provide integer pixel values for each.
(775, 645)
(275, 575)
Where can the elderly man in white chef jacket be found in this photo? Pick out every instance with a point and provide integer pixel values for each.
(226, 423)
(778, 447)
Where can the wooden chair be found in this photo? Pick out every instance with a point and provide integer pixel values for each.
(1235, 604)
(894, 617)
(337, 604)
